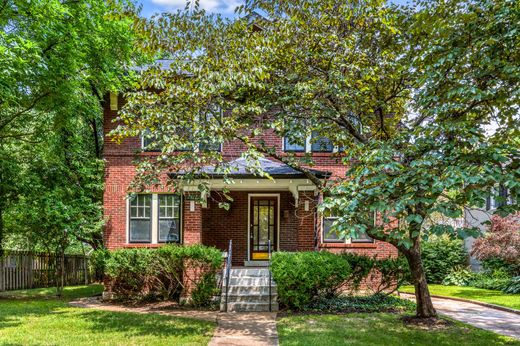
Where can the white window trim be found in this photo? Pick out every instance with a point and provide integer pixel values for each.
(348, 240)
(308, 147)
(155, 219)
(128, 218)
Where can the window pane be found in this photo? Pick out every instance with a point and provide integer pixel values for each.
(288, 146)
(321, 144)
(140, 230)
(362, 237)
(150, 142)
(329, 234)
(169, 230)
(168, 206)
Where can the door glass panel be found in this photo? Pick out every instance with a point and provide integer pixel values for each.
(263, 224)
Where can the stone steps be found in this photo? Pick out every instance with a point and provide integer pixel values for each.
(249, 291)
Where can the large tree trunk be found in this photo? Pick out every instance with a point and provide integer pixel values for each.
(422, 293)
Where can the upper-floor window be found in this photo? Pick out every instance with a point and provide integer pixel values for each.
(312, 143)
(295, 147)
(320, 144)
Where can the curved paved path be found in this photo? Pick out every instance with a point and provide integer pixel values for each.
(501, 322)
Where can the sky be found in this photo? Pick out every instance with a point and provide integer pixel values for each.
(226, 7)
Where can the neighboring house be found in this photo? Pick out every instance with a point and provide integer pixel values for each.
(474, 217)
(283, 210)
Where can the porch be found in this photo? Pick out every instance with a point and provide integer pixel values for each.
(280, 210)
(254, 218)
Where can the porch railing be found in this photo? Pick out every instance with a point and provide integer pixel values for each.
(269, 269)
(228, 272)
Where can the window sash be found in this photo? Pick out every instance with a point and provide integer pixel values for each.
(321, 144)
(292, 147)
(344, 239)
(338, 238)
(169, 215)
(140, 219)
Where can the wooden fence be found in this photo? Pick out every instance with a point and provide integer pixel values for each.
(23, 270)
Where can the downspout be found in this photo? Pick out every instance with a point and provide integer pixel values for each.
(318, 198)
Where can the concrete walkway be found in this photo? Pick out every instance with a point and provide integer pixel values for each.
(501, 322)
(246, 328)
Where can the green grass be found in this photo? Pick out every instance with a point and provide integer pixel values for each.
(378, 329)
(472, 293)
(36, 317)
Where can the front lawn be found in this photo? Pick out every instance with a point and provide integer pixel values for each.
(378, 329)
(472, 293)
(36, 317)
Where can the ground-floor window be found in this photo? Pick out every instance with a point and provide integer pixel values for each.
(140, 219)
(154, 218)
(330, 235)
(169, 218)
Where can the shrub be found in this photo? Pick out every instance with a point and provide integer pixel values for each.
(97, 263)
(360, 268)
(513, 286)
(493, 264)
(440, 255)
(301, 277)
(390, 274)
(459, 276)
(130, 272)
(501, 242)
(373, 303)
(496, 280)
(164, 272)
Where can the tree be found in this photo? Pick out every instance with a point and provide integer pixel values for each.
(406, 92)
(58, 59)
(502, 242)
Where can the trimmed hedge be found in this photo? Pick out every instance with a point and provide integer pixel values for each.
(303, 278)
(164, 273)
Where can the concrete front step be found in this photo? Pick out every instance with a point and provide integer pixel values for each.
(248, 281)
(250, 307)
(249, 272)
(244, 298)
(256, 263)
(250, 290)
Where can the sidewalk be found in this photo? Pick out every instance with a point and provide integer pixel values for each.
(498, 321)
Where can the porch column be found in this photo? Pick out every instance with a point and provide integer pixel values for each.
(306, 212)
(192, 219)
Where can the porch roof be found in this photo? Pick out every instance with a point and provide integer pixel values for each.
(239, 169)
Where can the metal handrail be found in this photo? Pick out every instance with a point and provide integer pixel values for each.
(269, 269)
(228, 271)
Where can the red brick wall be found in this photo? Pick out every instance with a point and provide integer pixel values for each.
(215, 226)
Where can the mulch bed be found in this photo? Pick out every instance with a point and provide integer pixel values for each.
(428, 323)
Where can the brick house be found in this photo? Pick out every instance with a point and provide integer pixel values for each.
(283, 210)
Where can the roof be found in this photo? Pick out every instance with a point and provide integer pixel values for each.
(239, 168)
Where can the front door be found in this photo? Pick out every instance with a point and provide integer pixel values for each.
(263, 226)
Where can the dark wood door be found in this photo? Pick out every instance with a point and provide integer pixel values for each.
(263, 227)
